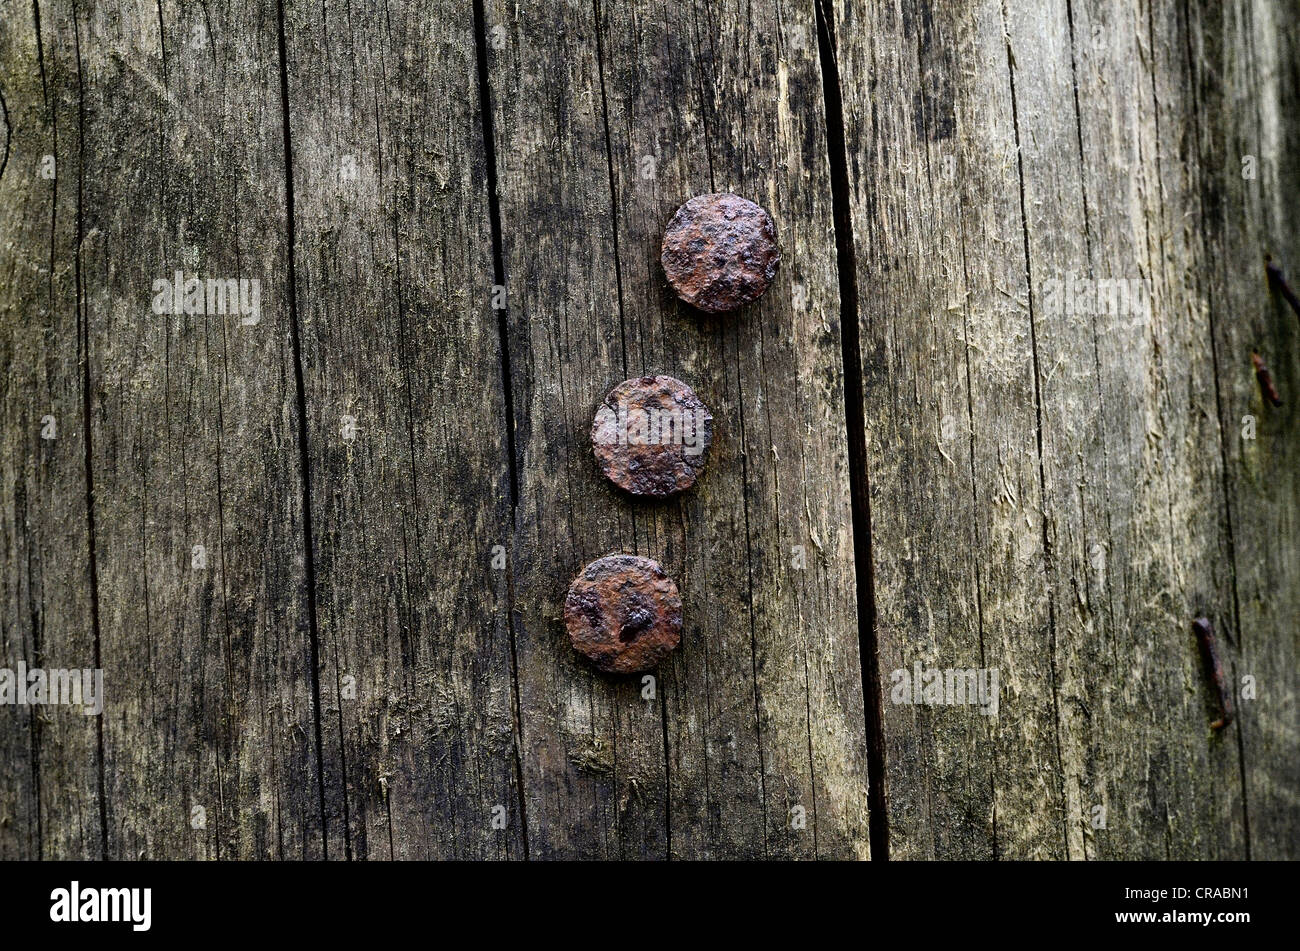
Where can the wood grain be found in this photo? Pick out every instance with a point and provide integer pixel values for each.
(1242, 104)
(50, 802)
(759, 714)
(1094, 496)
(921, 455)
(394, 266)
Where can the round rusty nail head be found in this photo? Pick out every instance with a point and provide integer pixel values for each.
(720, 252)
(651, 436)
(624, 613)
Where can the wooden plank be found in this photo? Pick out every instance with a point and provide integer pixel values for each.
(1136, 530)
(49, 759)
(949, 404)
(407, 429)
(198, 536)
(759, 713)
(593, 760)
(738, 106)
(1244, 89)
(1109, 418)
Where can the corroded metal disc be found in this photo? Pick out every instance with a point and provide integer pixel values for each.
(720, 252)
(624, 613)
(651, 435)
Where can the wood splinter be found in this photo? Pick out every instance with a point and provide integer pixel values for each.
(1210, 654)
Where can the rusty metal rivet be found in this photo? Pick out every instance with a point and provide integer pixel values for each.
(719, 252)
(651, 435)
(624, 613)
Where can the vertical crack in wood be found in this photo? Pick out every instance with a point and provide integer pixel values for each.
(83, 324)
(40, 50)
(855, 423)
(1038, 427)
(487, 127)
(304, 462)
(162, 41)
(9, 129)
(749, 579)
(20, 498)
(613, 197)
(36, 654)
(1096, 350)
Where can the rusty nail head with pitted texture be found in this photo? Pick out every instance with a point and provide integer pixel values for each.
(720, 252)
(624, 613)
(651, 436)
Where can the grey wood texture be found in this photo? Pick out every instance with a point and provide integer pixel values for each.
(997, 410)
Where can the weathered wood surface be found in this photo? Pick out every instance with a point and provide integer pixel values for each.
(918, 456)
(1057, 495)
(607, 118)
